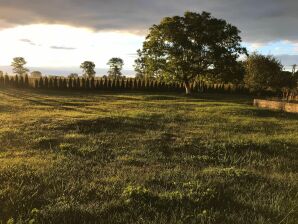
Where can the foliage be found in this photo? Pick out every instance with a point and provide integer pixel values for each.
(73, 75)
(88, 69)
(262, 72)
(143, 69)
(116, 65)
(181, 48)
(36, 74)
(228, 72)
(18, 64)
(287, 80)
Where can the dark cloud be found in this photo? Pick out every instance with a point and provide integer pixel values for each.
(62, 48)
(259, 20)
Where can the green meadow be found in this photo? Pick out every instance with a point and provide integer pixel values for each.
(114, 157)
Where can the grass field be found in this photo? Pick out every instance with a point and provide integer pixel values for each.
(145, 158)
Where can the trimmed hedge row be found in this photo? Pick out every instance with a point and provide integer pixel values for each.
(14, 81)
(113, 84)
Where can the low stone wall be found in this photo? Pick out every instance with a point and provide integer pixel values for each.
(277, 105)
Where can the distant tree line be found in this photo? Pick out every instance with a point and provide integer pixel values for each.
(108, 84)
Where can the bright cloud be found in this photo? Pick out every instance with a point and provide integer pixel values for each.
(66, 46)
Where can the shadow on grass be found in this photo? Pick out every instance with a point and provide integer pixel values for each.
(115, 124)
(41, 101)
(271, 113)
(147, 95)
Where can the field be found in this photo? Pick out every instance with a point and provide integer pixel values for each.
(82, 157)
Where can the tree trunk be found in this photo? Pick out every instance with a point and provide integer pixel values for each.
(187, 88)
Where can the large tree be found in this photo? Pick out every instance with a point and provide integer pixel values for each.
(116, 65)
(88, 69)
(181, 48)
(18, 64)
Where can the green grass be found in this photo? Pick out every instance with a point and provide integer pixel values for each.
(145, 158)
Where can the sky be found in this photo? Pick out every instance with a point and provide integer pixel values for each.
(56, 36)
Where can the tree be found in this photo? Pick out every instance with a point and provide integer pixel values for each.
(286, 80)
(36, 74)
(232, 72)
(18, 66)
(181, 48)
(262, 72)
(73, 75)
(88, 69)
(116, 65)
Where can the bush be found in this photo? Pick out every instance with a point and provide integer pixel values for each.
(262, 72)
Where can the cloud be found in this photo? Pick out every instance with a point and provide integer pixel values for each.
(260, 21)
(287, 60)
(133, 55)
(296, 47)
(28, 41)
(62, 48)
(255, 46)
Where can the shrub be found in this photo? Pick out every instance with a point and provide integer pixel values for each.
(26, 81)
(21, 83)
(60, 83)
(83, 83)
(40, 83)
(70, 83)
(78, 83)
(261, 72)
(51, 83)
(64, 83)
(55, 83)
(1, 80)
(46, 82)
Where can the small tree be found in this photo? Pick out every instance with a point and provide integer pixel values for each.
(88, 69)
(116, 65)
(36, 74)
(288, 83)
(262, 72)
(287, 80)
(18, 64)
(73, 75)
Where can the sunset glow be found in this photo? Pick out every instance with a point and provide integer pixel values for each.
(66, 46)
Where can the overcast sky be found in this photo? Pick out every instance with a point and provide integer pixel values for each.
(56, 35)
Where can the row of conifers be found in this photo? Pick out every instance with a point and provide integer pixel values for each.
(112, 84)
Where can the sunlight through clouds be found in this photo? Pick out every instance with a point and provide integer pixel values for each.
(65, 46)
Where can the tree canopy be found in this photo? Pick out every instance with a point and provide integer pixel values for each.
(181, 48)
(287, 80)
(73, 75)
(36, 74)
(116, 65)
(262, 72)
(88, 69)
(18, 64)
